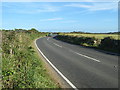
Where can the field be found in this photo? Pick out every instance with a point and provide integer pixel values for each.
(21, 65)
(98, 36)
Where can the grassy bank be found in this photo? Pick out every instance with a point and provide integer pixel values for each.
(21, 65)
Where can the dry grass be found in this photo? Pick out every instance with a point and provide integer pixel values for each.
(98, 36)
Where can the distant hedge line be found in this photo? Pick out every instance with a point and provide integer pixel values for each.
(108, 43)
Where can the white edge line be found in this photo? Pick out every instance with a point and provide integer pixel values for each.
(56, 68)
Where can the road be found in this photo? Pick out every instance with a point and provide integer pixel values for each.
(83, 67)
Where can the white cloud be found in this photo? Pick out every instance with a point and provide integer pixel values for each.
(60, 0)
(78, 5)
(96, 6)
(35, 11)
(48, 8)
(104, 6)
(30, 8)
(69, 21)
(52, 19)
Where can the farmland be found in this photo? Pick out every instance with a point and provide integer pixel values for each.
(98, 36)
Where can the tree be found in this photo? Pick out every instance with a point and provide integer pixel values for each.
(33, 30)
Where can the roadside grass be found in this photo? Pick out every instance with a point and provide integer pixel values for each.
(98, 36)
(21, 65)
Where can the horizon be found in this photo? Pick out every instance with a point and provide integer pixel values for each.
(58, 32)
(90, 17)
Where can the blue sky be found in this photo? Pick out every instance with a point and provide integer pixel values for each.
(61, 16)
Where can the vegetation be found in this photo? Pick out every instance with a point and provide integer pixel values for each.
(96, 35)
(21, 66)
(107, 43)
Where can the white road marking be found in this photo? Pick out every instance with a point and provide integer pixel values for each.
(70, 83)
(48, 38)
(85, 56)
(57, 45)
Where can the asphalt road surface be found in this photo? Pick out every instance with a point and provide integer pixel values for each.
(83, 67)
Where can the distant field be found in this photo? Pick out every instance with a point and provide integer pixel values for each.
(99, 36)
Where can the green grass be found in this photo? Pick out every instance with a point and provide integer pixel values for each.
(98, 36)
(21, 65)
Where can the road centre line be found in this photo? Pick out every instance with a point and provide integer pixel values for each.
(70, 83)
(48, 38)
(85, 56)
(57, 45)
(80, 54)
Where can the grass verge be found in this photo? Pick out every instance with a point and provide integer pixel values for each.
(21, 65)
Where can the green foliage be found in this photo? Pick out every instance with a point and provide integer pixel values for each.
(21, 65)
(96, 35)
(77, 40)
(32, 30)
(107, 43)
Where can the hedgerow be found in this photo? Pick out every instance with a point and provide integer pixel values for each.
(21, 66)
(107, 43)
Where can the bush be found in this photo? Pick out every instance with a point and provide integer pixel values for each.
(76, 40)
(107, 42)
(90, 40)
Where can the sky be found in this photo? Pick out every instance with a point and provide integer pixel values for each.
(61, 16)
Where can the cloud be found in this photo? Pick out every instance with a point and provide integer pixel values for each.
(35, 11)
(96, 6)
(103, 6)
(48, 8)
(52, 19)
(69, 21)
(35, 8)
(29, 8)
(78, 5)
(60, 0)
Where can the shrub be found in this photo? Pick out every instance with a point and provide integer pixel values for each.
(110, 44)
(107, 42)
(76, 40)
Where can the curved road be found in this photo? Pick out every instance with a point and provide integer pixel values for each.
(84, 67)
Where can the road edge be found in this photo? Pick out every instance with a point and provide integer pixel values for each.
(63, 84)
